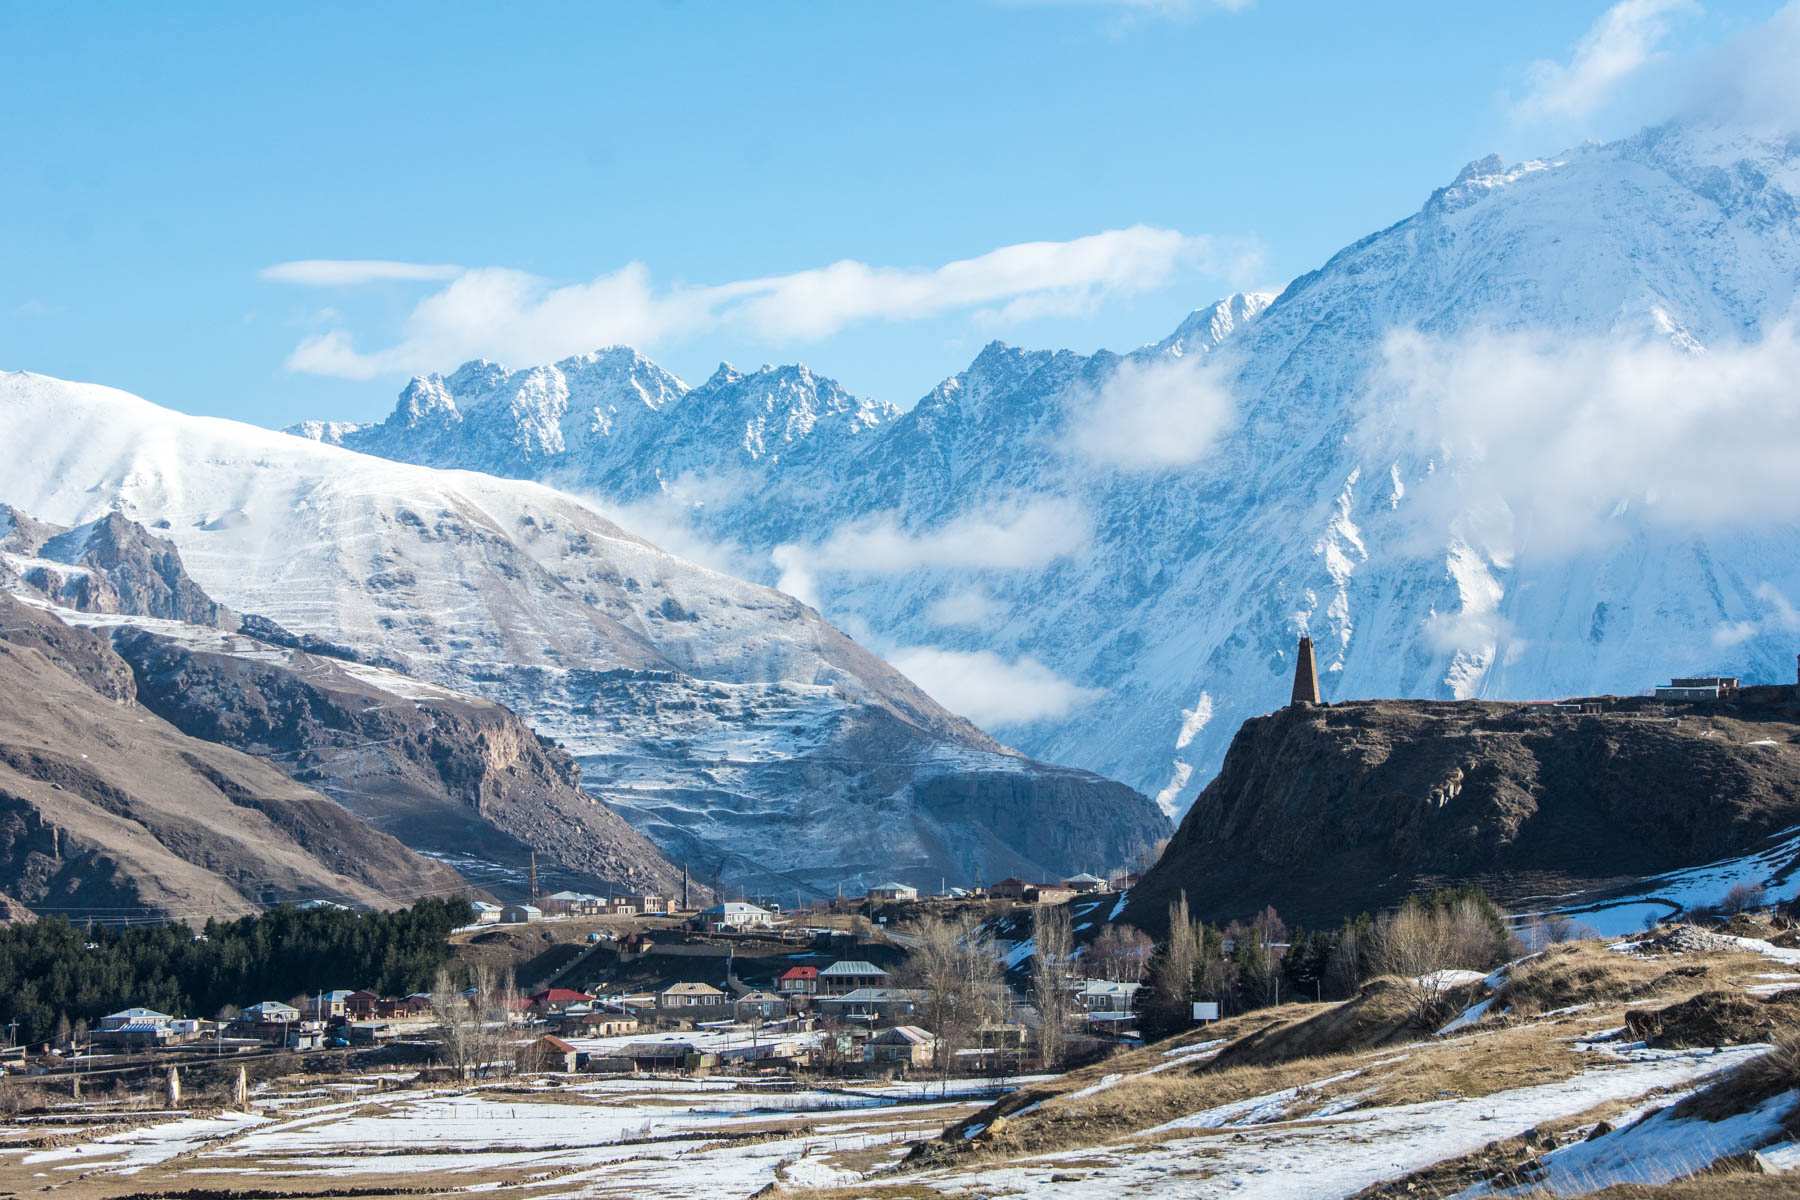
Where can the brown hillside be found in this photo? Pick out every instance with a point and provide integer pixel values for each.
(1327, 811)
(107, 811)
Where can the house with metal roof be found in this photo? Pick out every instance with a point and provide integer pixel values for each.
(734, 914)
(844, 977)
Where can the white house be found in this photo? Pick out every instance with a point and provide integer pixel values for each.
(485, 913)
(735, 914)
(891, 891)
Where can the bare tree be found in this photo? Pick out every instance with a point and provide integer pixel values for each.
(1172, 974)
(1052, 946)
(954, 968)
(1120, 953)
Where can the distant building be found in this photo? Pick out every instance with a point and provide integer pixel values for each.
(520, 914)
(890, 892)
(648, 903)
(1047, 893)
(798, 981)
(843, 977)
(1009, 889)
(734, 914)
(1105, 995)
(765, 1005)
(1700, 687)
(134, 1027)
(271, 1012)
(485, 913)
(690, 995)
(361, 1006)
(326, 1006)
(659, 1056)
(574, 904)
(1084, 883)
(906, 1044)
(549, 1053)
(556, 1000)
(870, 1004)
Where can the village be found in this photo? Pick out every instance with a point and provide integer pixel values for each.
(637, 986)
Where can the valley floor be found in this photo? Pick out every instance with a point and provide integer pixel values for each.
(1586, 1068)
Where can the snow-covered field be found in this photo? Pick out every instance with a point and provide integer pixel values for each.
(598, 1137)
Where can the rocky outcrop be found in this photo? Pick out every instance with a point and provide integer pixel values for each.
(106, 811)
(445, 773)
(112, 565)
(1327, 811)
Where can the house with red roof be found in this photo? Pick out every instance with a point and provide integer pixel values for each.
(798, 981)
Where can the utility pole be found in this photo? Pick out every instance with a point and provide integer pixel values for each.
(531, 884)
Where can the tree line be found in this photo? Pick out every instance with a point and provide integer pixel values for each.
(53, 972)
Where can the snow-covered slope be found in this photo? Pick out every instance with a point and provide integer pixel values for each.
(1323, 505)
(726, 720)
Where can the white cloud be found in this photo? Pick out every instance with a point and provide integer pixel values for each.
(970, 606)
(1030, 533)
(353, 272)
(1554, 444)
(1619, 44)
(511, 315)
(988, 689)
(1751, 79)
(1154, 415)
(1780, 616)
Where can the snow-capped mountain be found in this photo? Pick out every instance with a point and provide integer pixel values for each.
(1317, 503)
(727, 721)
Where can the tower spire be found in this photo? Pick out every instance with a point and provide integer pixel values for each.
(1306, 675)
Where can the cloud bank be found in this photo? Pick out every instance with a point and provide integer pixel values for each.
(1154, 415)
(1551, 445)
(1029, 533)
(510, 315)
(1620, 44)
(988, 689)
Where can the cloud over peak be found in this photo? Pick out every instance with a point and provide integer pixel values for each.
(511, 315)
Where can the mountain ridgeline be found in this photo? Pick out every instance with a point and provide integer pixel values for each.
(1313, 510)
(726, 722)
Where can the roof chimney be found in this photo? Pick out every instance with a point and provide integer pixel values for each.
(1306, 675)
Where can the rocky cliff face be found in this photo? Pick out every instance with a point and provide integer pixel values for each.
(108, 812)
(110, 565)
(1327, 811)
(451, 775)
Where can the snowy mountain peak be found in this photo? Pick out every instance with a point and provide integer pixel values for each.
(1205, 328)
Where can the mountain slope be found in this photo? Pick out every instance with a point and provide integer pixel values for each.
(727, 721)
(107, 811)
(1324, 503)
(1325, 812)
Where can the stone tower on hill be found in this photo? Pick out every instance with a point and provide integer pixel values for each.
(1306, 675)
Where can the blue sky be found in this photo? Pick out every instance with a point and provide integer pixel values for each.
(677, 175)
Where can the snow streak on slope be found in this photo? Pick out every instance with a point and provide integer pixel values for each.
(1319, 509)
(726, 720)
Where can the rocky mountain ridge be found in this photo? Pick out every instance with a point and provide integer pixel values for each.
(726, 721)
(1311, 504)
(109, 813)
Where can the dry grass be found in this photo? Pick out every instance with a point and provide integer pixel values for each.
(1587, 973)
(1749, 1085)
